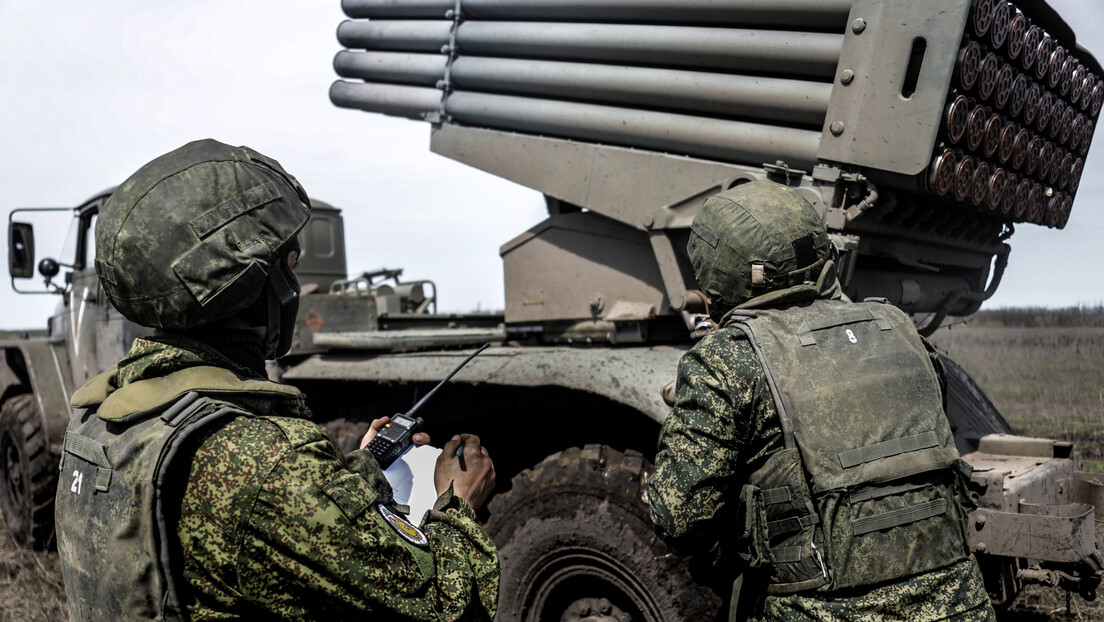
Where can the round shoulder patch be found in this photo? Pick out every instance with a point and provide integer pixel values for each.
(405, 528)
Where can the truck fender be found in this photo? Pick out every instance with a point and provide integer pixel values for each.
(37, 366)
(633, 377)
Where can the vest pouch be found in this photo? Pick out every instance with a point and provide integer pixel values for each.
(103, 514)
(755, 527)
(790, 527)
(899, 529)
(966, 501)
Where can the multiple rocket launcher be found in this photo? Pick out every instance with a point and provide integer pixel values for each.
(749, 82)
(643, 74)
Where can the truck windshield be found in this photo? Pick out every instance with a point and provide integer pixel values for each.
(68, 254)
(89, 244)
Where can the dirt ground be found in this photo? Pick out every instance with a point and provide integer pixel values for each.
(1037, 604)
(30, 584)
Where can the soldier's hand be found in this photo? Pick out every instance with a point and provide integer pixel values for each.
(471, 473)
(420, 438)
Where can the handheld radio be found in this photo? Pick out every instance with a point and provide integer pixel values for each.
(398, 434)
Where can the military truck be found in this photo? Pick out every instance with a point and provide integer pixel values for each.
(923, 132)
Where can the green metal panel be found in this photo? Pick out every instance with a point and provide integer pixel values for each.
(870, 122)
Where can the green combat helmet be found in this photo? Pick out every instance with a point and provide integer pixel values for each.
(756, 238)
(195, 236)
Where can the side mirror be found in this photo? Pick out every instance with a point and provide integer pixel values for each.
(21, 250)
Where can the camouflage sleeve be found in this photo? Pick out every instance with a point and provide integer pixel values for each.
(287, 528)
(715, 427)
(466, 561)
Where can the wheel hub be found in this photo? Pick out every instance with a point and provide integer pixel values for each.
(582, 585)
(594, 610)
(13, 464)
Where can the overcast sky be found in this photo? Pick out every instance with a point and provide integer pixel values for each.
(90, 91)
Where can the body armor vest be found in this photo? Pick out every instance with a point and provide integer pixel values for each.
(122, 477)
(869, 487)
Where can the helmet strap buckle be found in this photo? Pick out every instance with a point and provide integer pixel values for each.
(285, 293)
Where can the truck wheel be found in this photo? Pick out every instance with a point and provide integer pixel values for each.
(969, 411)
(29, 474)
(575, 545)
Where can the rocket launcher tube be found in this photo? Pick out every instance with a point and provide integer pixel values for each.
(732, 141)
(392, 67)
(786, 53)
(816, 14)
(401, 101)
(772, 99)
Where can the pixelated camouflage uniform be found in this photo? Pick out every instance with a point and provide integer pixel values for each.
(275, 523)
(725, 426)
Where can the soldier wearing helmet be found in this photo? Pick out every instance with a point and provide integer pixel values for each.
(191, 485)
(808, 435)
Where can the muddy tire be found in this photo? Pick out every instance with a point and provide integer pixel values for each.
(29, 474)
(575, 545)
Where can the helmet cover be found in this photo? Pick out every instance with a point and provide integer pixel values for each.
(755, 238)
(191, 237)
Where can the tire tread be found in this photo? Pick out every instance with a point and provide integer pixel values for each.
(34, 527)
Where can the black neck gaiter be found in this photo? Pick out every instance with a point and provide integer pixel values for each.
(245, 349)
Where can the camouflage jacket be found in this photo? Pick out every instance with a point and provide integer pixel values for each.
(723, 426)
(276, 524)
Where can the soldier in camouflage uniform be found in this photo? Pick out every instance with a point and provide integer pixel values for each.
(808, 434)
(193, 487)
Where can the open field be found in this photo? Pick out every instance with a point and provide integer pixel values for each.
(1046, 381)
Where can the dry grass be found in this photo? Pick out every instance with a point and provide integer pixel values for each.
(30, 584)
